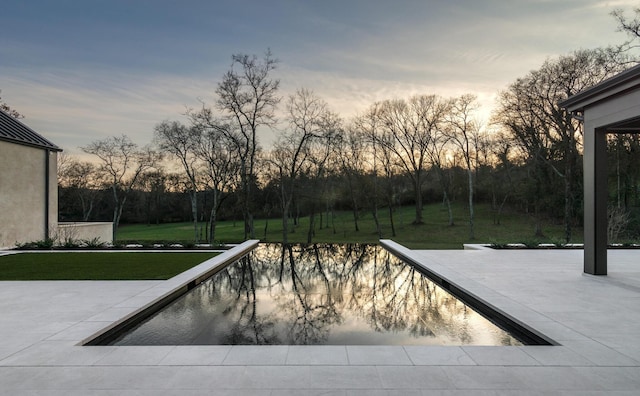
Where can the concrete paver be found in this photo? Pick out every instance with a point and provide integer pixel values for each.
(595, 320)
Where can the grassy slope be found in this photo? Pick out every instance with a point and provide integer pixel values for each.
(434, 234)
(97, 266)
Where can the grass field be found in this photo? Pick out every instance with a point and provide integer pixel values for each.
(433, 234)
(97, 266)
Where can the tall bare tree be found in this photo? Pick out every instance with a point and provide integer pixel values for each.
(221, 168)
(529, 110)
(181, 142)
(302, 152)
(504, 159)
(247, 97)
(122, 163)
(411, 126)
(291, 154)
(322, 153)
(629, 26)
(154, 185)
(367, 124)
(439, 153)
(82, 179)
(463, 131)
(352, 157)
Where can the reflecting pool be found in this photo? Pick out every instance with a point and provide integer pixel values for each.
(317, 295)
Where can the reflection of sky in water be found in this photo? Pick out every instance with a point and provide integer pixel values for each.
(318, 295)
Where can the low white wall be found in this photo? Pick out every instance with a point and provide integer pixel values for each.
(86, 231)
(476, 246)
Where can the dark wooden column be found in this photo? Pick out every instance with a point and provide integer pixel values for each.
(595, 200)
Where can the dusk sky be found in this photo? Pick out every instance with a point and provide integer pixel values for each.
(85, 70)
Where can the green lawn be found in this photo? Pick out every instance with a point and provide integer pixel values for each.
(433, 234)
(97, 266)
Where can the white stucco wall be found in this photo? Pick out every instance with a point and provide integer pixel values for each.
(22, 193)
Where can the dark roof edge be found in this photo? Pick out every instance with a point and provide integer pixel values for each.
(608, 87)
(52, 147)
(14, 131)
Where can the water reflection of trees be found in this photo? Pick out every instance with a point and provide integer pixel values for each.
(315, 287)
(301, 294)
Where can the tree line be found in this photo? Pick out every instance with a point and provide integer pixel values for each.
(398, 151)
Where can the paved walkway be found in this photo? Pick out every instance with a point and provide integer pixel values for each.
(595, 319)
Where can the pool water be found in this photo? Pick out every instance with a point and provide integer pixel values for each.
(317, 295)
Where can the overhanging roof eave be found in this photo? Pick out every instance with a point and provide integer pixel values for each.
(51, 147)
(615, 85)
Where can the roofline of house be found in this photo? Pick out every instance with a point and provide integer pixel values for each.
(613, 86)
(39, 141)
(34, 145)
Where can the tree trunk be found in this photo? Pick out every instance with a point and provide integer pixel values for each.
(285, 223)
(499, 209)
(393, 226)
(471, 214)
(355, 215)
(194, 214)
(249, 231)
(117, 213)
(213, 217)
(86, 211)
(312, 224)
(418, 194)
(333, 221)
(447, 201)
(445, 195)
(354, 202)
(538, 226)
(327, 216)
(377, 222)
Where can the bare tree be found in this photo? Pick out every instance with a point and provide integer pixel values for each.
(385, 163)
(390, 171)
(501, 147)
(221, 168)
(322, 152)
(121, 164)
(291, 154)
(463, 131)
(368, 126)
(181, 141)
(80, 177)
(411, 126)
(352, 163)
(548, 135)
(247, 96)
(439, 152)
(154, 184)
(630, 26)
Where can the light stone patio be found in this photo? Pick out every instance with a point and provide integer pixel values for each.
(596, 321)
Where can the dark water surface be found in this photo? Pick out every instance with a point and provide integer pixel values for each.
(317, 295)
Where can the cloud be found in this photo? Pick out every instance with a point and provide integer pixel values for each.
(124, 73)
(74, 108)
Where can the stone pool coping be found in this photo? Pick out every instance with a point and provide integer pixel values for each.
(595, 319)
(470, 291)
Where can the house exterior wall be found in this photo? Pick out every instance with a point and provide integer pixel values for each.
(23, 194)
